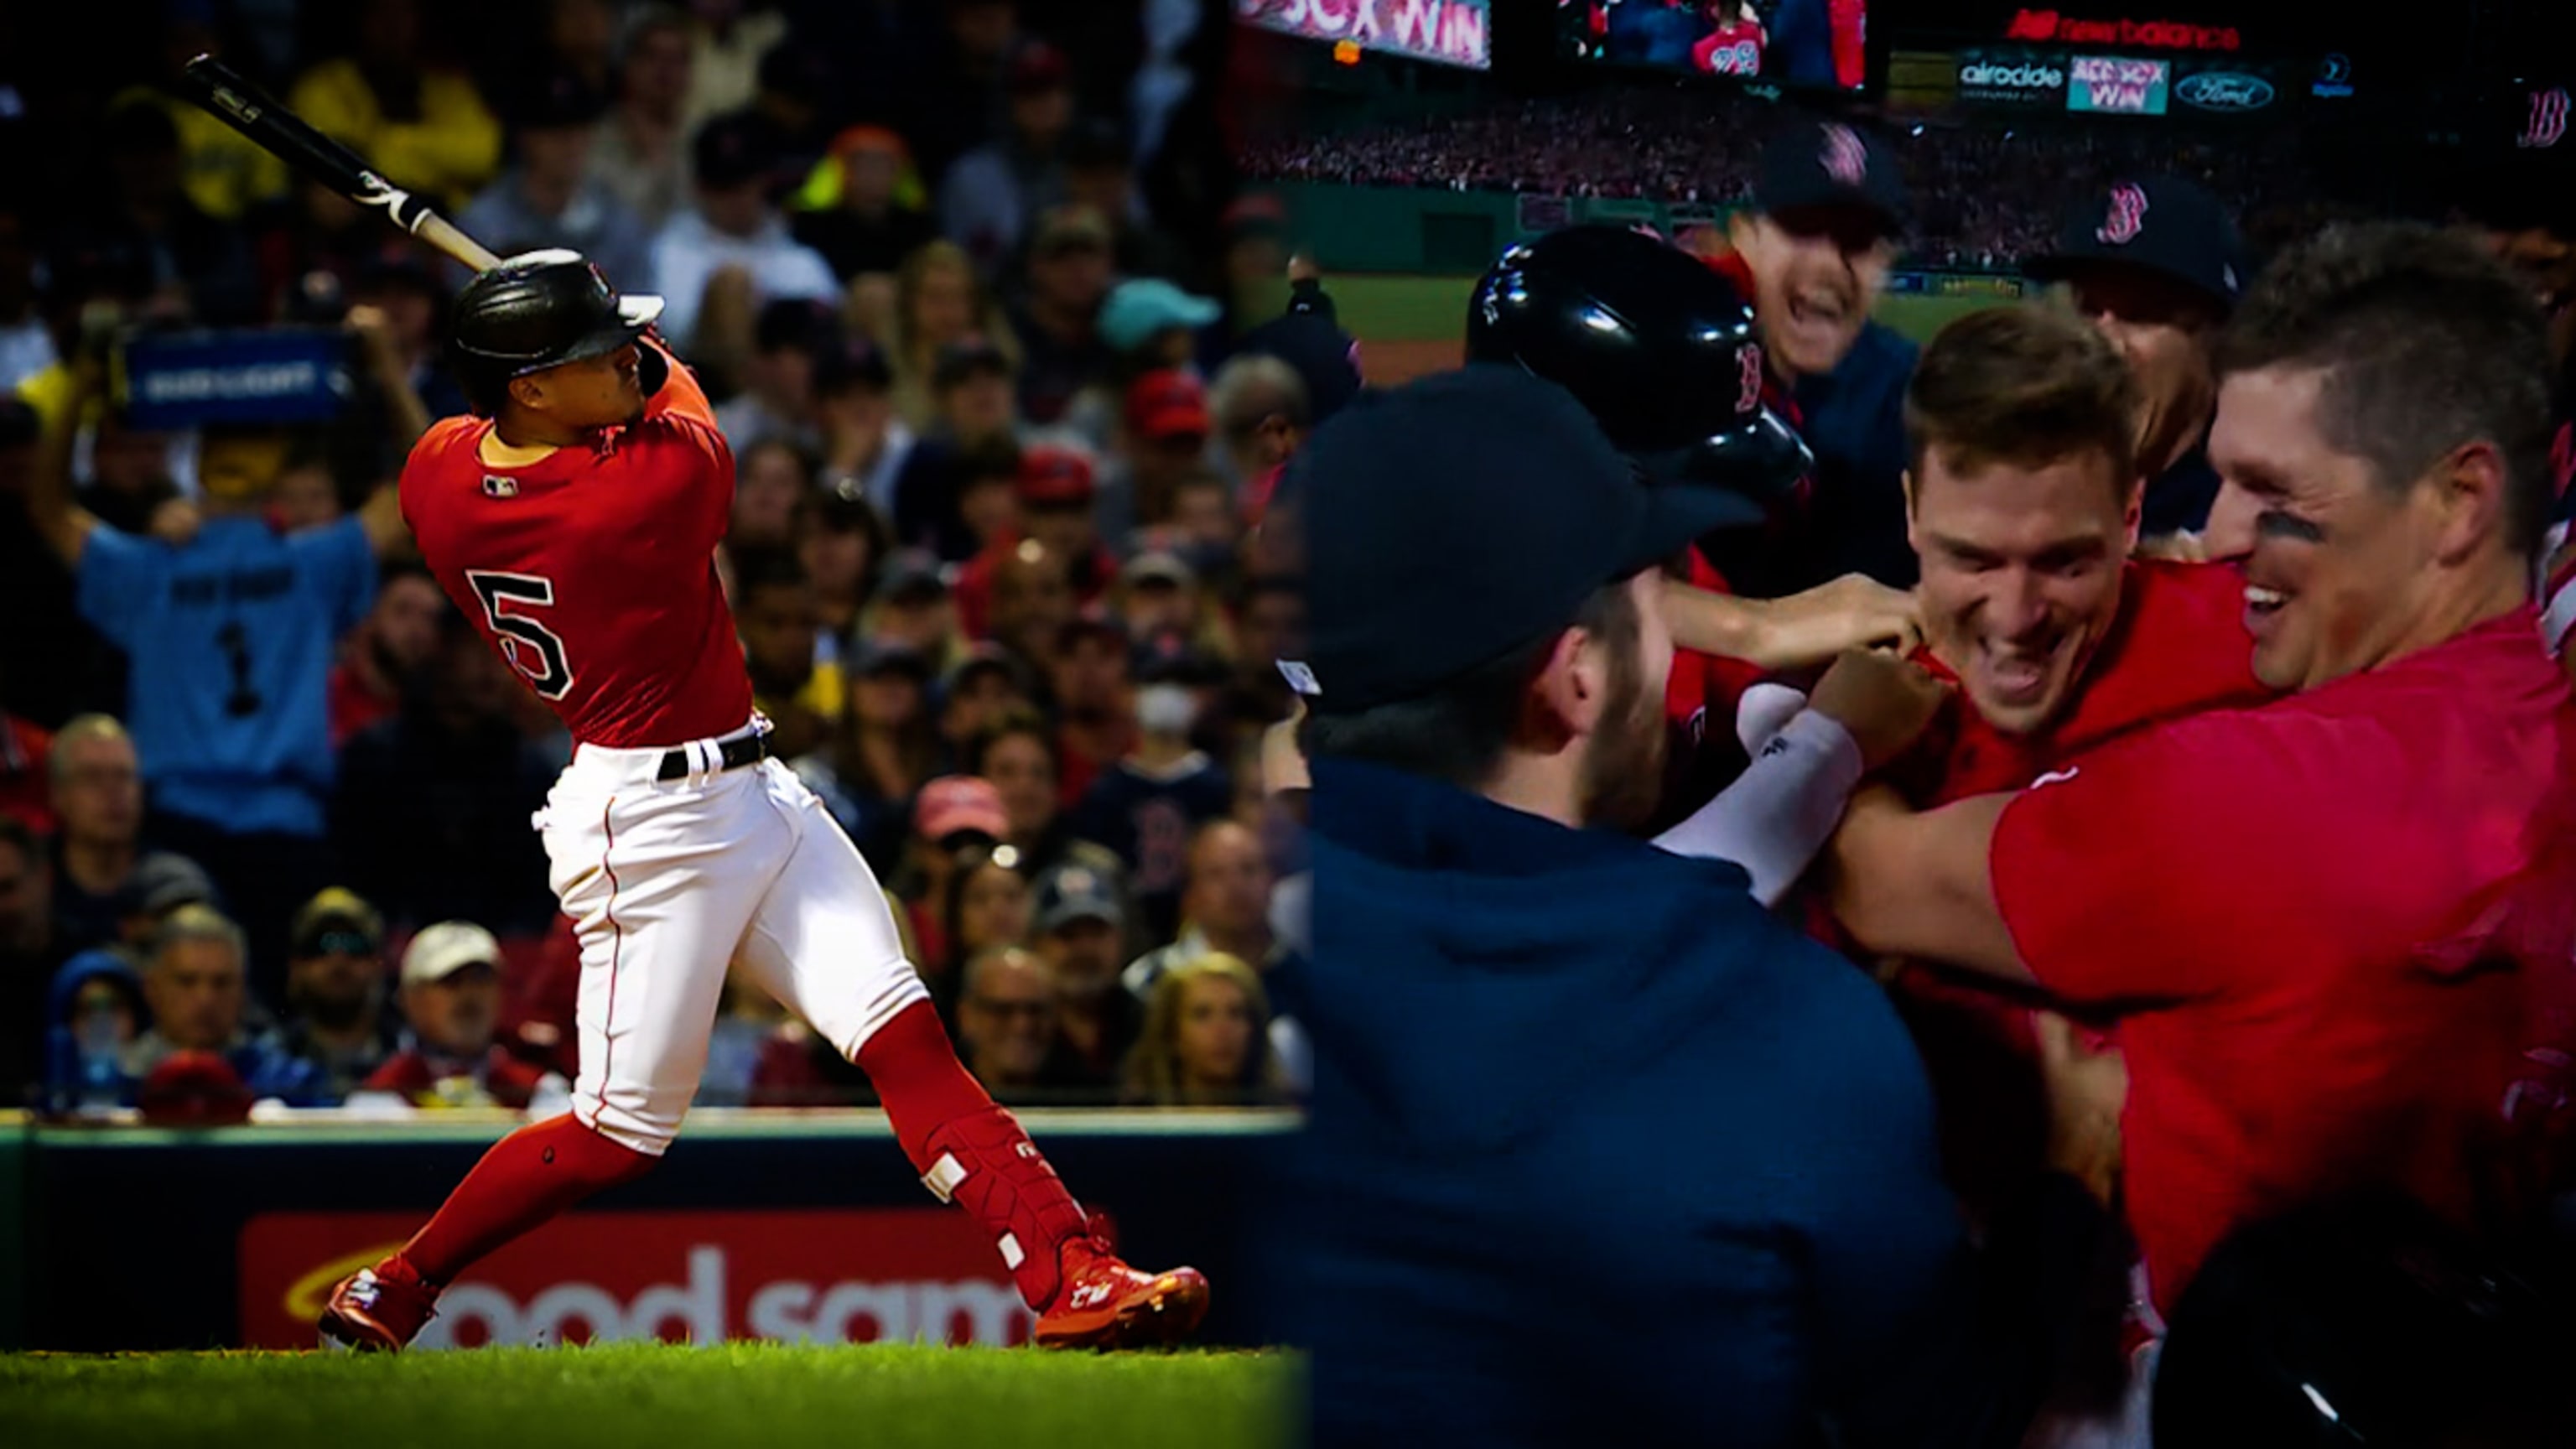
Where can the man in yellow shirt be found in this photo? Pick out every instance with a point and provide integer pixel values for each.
(424, 129)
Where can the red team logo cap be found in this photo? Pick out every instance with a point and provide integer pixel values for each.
(2127, 214)
(2546, 125)
(1843, 156)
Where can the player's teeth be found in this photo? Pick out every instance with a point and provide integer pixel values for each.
(2264, 598)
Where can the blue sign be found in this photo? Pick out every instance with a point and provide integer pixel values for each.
(2334, 78)
(2220, 90)
(178, 380)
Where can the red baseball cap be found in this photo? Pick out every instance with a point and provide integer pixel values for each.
(953, 803)
(1052, 473)
(1167, 403)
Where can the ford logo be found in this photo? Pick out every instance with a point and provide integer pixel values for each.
(2215, 90)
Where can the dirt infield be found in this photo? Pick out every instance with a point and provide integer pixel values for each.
(1390, 363)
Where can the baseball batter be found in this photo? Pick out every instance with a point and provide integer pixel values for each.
(574, 519)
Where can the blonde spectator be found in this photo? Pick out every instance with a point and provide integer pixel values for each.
(939, 302)
(1207, 1039)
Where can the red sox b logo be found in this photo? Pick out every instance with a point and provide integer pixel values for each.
(1748, 381)
(1845, 158)
(2548, 122)
(2127, 214)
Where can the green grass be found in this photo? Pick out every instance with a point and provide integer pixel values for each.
(635, 1395)
(1416, 309)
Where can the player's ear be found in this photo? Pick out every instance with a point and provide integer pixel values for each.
(529, 392)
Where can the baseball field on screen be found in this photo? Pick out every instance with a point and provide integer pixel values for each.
(634, 1395)
(1410, 325)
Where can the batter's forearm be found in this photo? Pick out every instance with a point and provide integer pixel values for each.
(1781, 810)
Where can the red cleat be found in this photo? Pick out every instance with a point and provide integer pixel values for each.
(1106, 1304)
(375, 1314)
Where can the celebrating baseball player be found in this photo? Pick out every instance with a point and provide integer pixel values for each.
(574, 520)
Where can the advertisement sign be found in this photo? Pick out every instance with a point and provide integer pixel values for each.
(823, 1276)
(2227, 91)
(2334, 78)
(1451, 32)
(176, 380)
(2020, 78)
(2117, 85)
(2030, 23)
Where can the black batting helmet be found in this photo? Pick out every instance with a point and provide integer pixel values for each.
(539, 310)
(1657, 345)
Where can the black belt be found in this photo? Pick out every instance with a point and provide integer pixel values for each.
(751, 749)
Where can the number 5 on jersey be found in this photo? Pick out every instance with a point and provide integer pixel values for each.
(532, 649)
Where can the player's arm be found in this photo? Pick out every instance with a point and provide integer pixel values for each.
(61, 522)
(1852, 612)
(1917, 884)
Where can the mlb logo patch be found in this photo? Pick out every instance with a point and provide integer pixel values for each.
(496, 486)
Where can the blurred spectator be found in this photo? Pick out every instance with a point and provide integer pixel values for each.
(1206, 1039)
(727, 39)
(196, 989)
(53, 665)
(26, 344)
(1017, 754)
(1150, 323)
(1257, 405)
(307, 495)
(951, 815)
(1033, 606)
(992, 191)
(985, 905)
(1149, 805)
(451, 996)
(879, 754)
(1098, 174)
(771, 485)
(953, 105)
(29, 955)
(1069, 272)
(862, 209)
(98, 856)
(225, 172)
(1095, 700)
(641, 152)
(775, 610)
(578, 38)
(93, 1016)
(1053, 494)
(865, 443)
(911, 607)
(1254, 229)
(549, 197)
(26, 789)
(1080, 930)
(425, 129)
(1226, 908)
(401, 292)
(1269, 625)
(842, 542)
(1160, 598)
(335, 992)
(986, 688)
(940, 304)
(796, 85)
(1006, 1022)
(973, 429)
(734, 229)
(381, 659)
(1162, 438)
(778, 400)
(143, 198)
(429, 814)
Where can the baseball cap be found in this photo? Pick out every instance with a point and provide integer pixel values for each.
(852, 361)
(1813, 164)
(1167, 403)
(1460, 517)
(798, 322)
(1071, 893)
(1051, 473)
(1324, 357)
(982, 659)
(442, 950)
(955, 803)
(1136, 310)
(733, 149)
(965, 358)
(162, 883)
(337, 913)
(1157, 566)
(2162, 224)
(911, 577)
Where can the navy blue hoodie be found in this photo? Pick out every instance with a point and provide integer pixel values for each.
(1598, 1149)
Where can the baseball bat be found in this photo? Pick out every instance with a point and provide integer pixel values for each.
(231, 98)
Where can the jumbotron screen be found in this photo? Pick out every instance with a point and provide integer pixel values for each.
(1817, 44)
(1445, 32)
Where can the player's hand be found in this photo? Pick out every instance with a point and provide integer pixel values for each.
(175, 522)
(2087, 1088)
(2178, 547)
(374, 329)
(1853, 612)
(1884, 700)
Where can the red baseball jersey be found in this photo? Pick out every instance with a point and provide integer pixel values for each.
(1850, 19)
(2347, 917)
(1734, 48)
(592, 569)
(2177, 648)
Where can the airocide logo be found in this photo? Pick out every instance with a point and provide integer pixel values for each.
(823, 1277)
(2018, 77)
(2011, 78)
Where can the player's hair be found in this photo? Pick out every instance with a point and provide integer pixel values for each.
(197, 921)
(1153, 1069)
(1250, 390)
(80, 730)
(2423, 343)
(2023, 386)
(1458, 732)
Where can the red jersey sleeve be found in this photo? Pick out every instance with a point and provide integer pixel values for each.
(2140, 871)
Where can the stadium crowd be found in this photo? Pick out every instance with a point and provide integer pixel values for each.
(1990, 196)
(955, 275)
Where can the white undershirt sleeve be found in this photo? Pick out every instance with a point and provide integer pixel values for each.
(1781, 810)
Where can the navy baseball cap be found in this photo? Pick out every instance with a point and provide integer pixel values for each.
(2163, 224)
(1811, 165)
(1460, 517)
